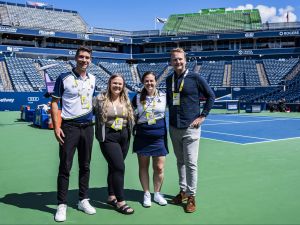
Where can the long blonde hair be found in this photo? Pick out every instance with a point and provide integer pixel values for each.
(106, 98)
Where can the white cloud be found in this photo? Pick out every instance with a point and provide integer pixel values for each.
(270, 13)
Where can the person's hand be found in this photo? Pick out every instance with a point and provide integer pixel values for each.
(59, 135)
(197, 122)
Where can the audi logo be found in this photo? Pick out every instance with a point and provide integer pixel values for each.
(33, 99)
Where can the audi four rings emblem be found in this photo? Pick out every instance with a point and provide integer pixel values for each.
(33, 99)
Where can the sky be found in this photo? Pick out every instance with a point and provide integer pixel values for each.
(136, 15)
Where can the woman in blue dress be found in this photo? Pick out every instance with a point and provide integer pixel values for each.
(151, 136)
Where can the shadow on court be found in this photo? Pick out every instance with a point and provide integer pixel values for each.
(46, 201)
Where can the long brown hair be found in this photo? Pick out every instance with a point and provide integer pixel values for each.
(106, 98)
(144, 91)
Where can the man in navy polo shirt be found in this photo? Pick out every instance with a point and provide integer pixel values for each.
(75, 91)
(184, 90)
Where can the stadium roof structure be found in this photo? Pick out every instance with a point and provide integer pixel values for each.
(213, 20)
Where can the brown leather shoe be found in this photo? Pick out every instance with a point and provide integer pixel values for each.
(178, 199)
(191, 205)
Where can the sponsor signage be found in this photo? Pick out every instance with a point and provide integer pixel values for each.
(8, 29)
(249, 35)
(13, 101)
(47, 33)
(83, 36)
(245, 52)
(116, 39)
(14, 49)
(33, 99)
(213, 37)
(179, 38)
(10, 100)
(289, 33)
(71, 52)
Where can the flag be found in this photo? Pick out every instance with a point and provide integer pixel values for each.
(287, 17)
(161, 20)
(39, 4)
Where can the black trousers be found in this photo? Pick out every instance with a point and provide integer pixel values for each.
(114, 149)
(82, 139)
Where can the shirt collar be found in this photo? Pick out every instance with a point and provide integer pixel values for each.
(78, 75)
(181, 75)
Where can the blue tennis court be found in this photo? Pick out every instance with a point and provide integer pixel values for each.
(248, 129)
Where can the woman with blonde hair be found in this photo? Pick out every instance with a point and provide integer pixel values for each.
(114, 120)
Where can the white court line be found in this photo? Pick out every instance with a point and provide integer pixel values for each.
(204, 125)
(231, 142)
(282, 139)
(276, 117)
(231, 121)
(244, 122)
(237, 135)
(257, 142)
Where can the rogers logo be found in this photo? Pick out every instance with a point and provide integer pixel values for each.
(33, 99)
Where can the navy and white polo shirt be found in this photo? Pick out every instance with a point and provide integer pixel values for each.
(156, 104)
(70, 87)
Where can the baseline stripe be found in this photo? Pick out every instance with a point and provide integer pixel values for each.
(237, 135)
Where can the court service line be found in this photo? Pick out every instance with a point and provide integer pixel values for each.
(231, 121)
(282, 139)
(237, 135)
(230, 142)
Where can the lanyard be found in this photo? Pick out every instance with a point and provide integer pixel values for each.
(181, 83)
(82, 86)
(148, 106)
(115, 110)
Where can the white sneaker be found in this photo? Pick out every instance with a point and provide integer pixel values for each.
(147, 199)
(86, 207)
(159, 198)
(61, 213)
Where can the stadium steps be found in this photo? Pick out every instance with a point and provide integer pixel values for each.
(39, 72)
(7, 86)
(134, 73)
(262, 75)
(4, 16)
(164, 75)
(227, 75)
(294, 72)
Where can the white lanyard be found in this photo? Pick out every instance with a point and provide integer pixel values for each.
(118, 122)
(115, 110)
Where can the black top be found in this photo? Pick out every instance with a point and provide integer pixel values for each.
(194, 88)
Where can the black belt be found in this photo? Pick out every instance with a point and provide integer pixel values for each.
(76, 124)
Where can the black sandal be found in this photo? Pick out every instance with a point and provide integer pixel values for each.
(124, 209)
(112, 203)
